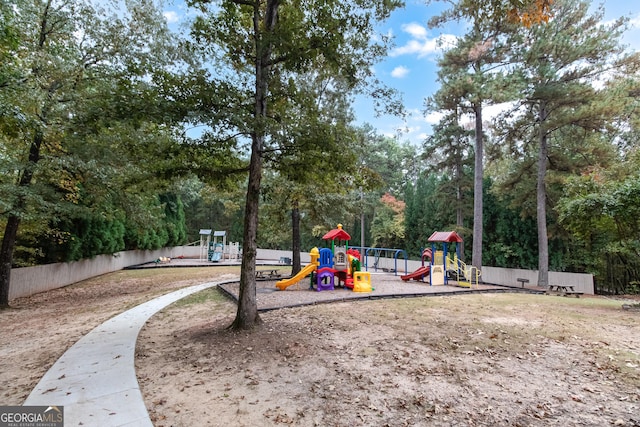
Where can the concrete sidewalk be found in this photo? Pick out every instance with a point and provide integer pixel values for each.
(95, 379)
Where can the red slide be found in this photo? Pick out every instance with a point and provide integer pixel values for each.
(418, 274)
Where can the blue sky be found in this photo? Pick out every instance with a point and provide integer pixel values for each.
(411, 65)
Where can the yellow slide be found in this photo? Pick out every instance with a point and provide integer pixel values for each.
(283, 284)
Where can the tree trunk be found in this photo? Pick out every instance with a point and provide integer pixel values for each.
(6, 258)
(459, 208)
(295, 238)
(13, 222)
(541, 202)
(247, 314)
(478, 176)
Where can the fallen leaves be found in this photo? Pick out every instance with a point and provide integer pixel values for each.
(314, 366)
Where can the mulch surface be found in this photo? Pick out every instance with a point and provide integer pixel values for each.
(384, 285)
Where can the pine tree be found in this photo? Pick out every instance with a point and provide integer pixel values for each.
(560, 63)
(472, 79)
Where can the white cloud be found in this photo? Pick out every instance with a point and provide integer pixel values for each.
(434, 117)
(420, 43)
(416, 30)
(419, 47)
(171, 16)
(491, 112)
(635, 22)
(400, 72)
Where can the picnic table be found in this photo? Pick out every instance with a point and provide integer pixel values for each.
(565, 290)
(271, 273)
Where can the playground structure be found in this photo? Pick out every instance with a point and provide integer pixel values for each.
(213, 250)
(332, 266)
(445, 265)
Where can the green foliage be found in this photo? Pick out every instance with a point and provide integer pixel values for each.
(387, 228)
(450, 151)
(84, 233)
(329, 40)
(86, 139)
(321, 208)
(602, 214)
(313, 167)
(85, 238)
(174, 219)
(385, 165)
(510, 239)
(216, 211)
(9, 42)
(428, 209)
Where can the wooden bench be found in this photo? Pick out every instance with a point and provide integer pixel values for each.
(522, 281)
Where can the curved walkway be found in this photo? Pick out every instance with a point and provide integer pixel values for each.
(95, 379)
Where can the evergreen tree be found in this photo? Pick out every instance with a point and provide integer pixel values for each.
(511, 239)
(560, 62)
(430, 210)
(471, 69)
(449, 151)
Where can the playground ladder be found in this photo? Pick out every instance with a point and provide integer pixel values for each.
(470, 274)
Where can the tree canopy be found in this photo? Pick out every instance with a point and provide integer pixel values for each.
(260, 48)
(79, 111)
(117, 134)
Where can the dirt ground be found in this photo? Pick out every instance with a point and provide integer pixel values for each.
(470, 360)
(37, 330)
(485, 360)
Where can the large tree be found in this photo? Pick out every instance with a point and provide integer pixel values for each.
(561, 62)
(449, 150)
(63, 51)
(256, 47)
(472, 77)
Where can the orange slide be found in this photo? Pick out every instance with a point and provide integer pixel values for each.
(283, 284)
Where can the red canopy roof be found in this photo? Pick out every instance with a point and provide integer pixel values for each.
(337, 234)
(445, 236)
